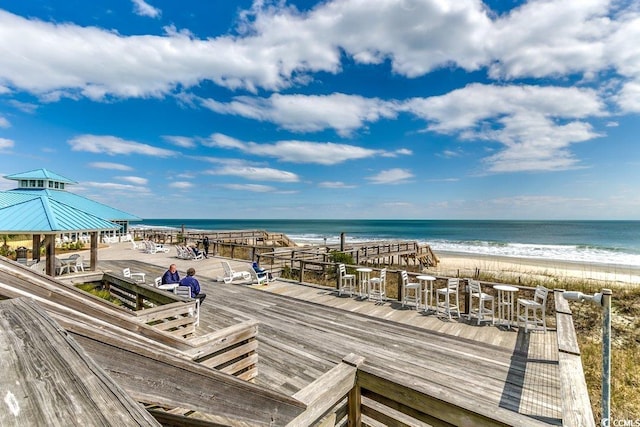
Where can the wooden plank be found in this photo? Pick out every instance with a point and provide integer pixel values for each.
(224, 357)
(562, 305)
(325, 393)
(47, 378)
(566, 333)
(576, 406)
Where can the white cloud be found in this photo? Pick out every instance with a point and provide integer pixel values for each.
(113, 145)
(134, 180)
(391, 176)
(119, 188)
(324, 153)
(255, 188)
(142, 8)
(181, 185)
(6, 143)
(256, 173)
(536, 125)
(4, 123)
(180, 141)
(334, 184)
(25, 107)
(111, 166)
(309, 113)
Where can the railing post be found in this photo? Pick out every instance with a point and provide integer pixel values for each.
(606, 354)
(400, 287)
(301, 271)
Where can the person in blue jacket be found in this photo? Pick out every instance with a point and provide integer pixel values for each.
(193, 283)
(171, 275)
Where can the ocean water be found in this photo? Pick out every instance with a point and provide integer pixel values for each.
(594, 242)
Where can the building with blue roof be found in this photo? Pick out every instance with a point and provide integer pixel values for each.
(41, 205)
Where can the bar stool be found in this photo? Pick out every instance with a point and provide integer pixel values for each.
(410, 290)
(377, 286)
(448, 294)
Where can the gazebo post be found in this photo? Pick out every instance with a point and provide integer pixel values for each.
(35, 247)
(50, 244)
(94, 251)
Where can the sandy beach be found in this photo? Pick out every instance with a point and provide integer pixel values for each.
(552, 270)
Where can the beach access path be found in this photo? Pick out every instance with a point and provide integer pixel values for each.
(306, 330)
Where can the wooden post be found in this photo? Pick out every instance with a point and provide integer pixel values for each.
(50, 251)
(400, 287)
(94, 251)
(342, 242)
(301, 271)
(35, 247)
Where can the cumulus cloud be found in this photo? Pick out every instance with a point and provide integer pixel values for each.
(6, 144)
(142, 8)
(113, 145)
(256, 173)
(391, 176)
(110, 166)
(536, 125)
(4, 123)
(324, 153)
(309, 113)
(134, 180)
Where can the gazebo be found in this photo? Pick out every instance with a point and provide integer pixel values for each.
(41, 206)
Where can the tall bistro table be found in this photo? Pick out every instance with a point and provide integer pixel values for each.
(363, 280)
(428, 292)
(506, 301)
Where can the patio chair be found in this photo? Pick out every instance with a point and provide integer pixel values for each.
(346, 281)
(262, 275)
(378, 286)
(475, 292)
(230, 275)
(137, 277)
(530, 309)
(448, 294)
(410, 290)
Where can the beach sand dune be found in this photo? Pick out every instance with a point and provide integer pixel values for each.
(464, 264)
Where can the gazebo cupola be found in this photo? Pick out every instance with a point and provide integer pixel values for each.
(40, 179)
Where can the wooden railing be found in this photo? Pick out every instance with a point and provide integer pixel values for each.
(576, 407)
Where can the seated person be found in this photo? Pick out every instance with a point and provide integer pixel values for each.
(193, 283)
(198, 251)
(261, 272)
(171, 275)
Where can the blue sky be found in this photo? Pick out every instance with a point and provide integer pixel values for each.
(336, 109)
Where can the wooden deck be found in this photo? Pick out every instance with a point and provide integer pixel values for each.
(307, 330)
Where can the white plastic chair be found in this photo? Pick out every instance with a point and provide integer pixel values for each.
(475, 292)
(138, 277)
(157, 281)
(378, 286)
(347, 281)
(532, 307)
(410, 290)
(448, 294)
(230, 275)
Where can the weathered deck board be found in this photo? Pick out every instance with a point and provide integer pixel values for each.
(48, 379)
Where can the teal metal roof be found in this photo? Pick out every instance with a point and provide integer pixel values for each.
(40, 174)
(82, 203)
(29, 212)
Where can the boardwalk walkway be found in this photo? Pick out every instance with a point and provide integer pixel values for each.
(306, 330)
